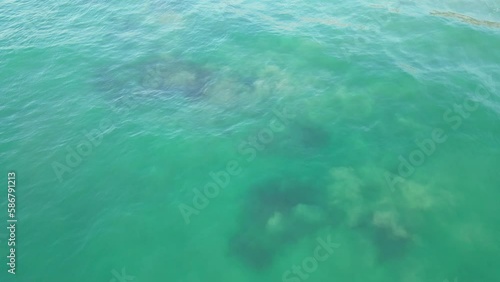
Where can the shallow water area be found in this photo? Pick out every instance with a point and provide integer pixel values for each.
(237, 141)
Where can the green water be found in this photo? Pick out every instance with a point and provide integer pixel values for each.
(374, 126)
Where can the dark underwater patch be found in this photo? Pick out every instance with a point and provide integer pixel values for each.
(164, 79)
(175, 78)
(313, 136)
(388, 242)
(277, 213)
(389, 245)
(153, 80)
(253, 249)
(308, 135)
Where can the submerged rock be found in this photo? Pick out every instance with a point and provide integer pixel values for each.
(390, 237)
(175, 78)
(275, 224)
(388, 220)
(345, 193)
(310, 135)
(227, 91)
(376, 216)
(277, 214)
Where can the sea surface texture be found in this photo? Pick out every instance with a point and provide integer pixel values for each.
(245, 141)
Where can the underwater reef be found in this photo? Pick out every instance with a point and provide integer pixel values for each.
(154, 79)
(175, 77)
(166, 78)
(279, 212)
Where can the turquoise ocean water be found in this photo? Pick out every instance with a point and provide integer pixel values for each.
(221, 141)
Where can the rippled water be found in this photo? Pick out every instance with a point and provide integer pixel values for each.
(230, 141)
